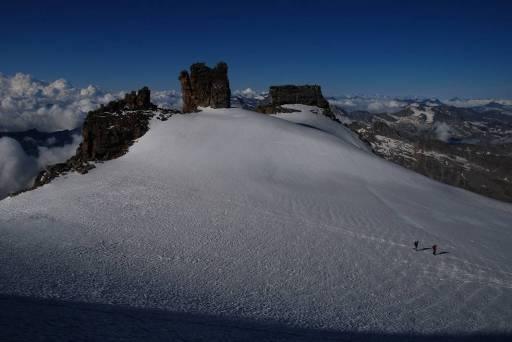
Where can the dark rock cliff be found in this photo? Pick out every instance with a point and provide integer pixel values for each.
(109, 131)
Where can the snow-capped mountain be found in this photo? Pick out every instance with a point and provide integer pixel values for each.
(231, 213)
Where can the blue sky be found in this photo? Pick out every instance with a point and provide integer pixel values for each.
(426, 48)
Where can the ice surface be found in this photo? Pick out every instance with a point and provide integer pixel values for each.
(230, 213)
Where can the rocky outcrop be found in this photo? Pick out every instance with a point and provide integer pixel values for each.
(108, 136)
(205, 87)
(310, 95)
(140, 100)
(108, 132)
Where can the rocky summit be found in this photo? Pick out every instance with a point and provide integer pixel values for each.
(205, 87)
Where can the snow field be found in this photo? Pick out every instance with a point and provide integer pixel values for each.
(231, 213)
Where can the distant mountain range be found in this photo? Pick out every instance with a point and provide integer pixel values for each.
(466, 147)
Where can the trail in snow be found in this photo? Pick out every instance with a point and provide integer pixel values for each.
(229, 213)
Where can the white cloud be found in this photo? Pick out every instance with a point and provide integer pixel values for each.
(385, 106)
(370, 104)
(54, 155)
(17, 169)
(167, 99)
(442, 131)
(467, 103)
(27, 103)
(249, 93)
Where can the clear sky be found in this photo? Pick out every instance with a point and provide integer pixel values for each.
(427, 48)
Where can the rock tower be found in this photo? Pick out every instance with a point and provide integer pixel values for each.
(205, 87)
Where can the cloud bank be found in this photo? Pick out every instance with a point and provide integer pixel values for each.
(27, 103)
(167, 99)
(18, 169)
(468, 103)
(370, 104)
(249, 93)
(54, 155)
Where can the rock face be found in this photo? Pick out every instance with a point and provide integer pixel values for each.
(205, 87)
(109, 136)
(109, 131)
(310, 95)
(189, 102)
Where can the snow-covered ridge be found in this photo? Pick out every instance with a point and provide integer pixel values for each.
(232, 213)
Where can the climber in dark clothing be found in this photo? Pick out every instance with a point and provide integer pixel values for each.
(434, 249)
(416, 243)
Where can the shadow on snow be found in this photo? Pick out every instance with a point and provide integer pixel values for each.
(31, 319)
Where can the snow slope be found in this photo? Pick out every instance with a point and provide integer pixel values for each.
(230, 213)
(311, 116)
